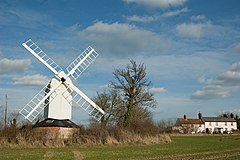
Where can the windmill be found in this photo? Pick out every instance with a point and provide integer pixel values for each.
(58, 96)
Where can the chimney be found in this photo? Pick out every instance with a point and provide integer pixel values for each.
(199, 115)
(184, 116)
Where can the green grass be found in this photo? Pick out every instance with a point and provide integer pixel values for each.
(182, 147)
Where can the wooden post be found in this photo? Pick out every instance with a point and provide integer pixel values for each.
(5, 117)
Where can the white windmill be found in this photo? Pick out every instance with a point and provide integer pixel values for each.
(57, 97)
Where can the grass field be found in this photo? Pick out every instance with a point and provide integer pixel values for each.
(181, 147)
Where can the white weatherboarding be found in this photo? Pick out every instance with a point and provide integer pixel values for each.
(57, 97)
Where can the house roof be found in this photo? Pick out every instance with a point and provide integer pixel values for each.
(218, 119)
(189, 121)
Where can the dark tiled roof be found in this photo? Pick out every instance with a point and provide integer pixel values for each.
(189, 121)
(56, 123)
(218, 119)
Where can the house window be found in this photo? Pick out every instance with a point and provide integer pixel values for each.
(216, 123)
(225, 123)
(210, 123)
(231, 123)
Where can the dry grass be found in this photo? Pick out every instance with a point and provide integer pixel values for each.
(94, 134)
(123, 137)
(126, 137)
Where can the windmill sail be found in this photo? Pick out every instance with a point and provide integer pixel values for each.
(76, 68)
(43, 57)
(35, 106)
(54, 95)
(84, 102)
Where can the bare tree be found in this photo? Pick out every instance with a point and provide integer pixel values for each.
(133, 84)
(110, 103)
(1, 117)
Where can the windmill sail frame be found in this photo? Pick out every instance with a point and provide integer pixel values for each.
(47, 94)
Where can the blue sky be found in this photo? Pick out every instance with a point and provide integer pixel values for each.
(191, 49)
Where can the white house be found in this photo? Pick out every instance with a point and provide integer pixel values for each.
(205, 124)
(219, 124)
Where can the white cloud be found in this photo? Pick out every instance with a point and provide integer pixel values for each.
(235, 48)
(175, 67)
(225, 84)
(123, 39)
(147, 19)
(198, 17)
(143, 19)
(168, 67)
(194, 30)
(158, 90)
(158, 3)
(32, 80)
(8, 66)
(212, 92)
(174, 13)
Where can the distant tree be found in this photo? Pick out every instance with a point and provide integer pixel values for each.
(133, 83)
(228, 115)
(1, 118)
(111, 103)
(13, 118)
(231, 115)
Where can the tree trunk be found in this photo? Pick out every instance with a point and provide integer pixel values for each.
(128, 116)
